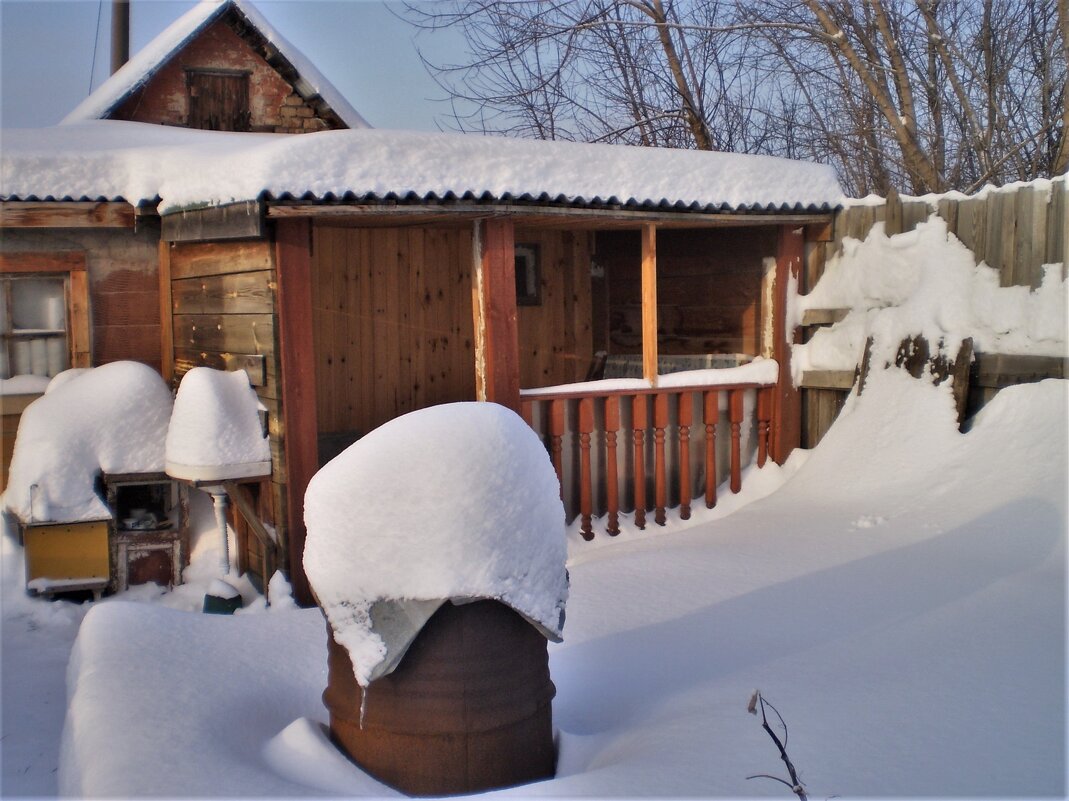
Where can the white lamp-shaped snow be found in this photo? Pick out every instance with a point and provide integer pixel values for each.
(215, 436)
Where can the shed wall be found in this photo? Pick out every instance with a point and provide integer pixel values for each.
(123, 270)
(709, 289)
(393, 325)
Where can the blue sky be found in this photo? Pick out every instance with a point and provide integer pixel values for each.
(47, 46)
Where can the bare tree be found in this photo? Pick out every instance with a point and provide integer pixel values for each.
(919, 95)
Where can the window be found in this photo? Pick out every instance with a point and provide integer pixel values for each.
(528, 275)
(44, 327)
(218, 100)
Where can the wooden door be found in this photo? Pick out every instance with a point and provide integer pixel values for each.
(218, 101)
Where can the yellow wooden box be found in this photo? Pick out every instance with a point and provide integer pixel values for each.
(65, 551)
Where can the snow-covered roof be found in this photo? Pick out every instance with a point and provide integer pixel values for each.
(139, 69)
(180, 168)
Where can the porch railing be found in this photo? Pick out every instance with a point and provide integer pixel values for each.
(606, 442)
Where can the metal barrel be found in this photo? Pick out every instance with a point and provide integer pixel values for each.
(468, 708)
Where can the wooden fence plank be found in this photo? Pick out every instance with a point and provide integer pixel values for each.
(217, 258)
(236, 293)
(225, 333)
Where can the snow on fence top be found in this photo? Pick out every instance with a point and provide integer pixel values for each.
(111, 418)
(180, 168)
(148, 61)
(215, 429)
(457, 501)
(927, 283)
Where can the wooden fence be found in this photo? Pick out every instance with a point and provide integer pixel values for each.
(1015, 230)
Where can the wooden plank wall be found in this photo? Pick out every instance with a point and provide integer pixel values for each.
(223, 307)
(556, 336)
(709, 289)
(123, 286)
(1015, 230)
(393, 327)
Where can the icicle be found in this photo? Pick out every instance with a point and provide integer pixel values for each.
(363, 706)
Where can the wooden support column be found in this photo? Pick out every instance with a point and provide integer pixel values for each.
(166, 314)
(787, 407)
(649, 303)
(293, 258)
(497, 348)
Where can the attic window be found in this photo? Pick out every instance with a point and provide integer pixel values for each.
(218, 100)
(528, 275)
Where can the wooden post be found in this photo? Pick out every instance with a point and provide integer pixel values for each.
(612, 490)
(166, 314)
(787, 409)
(556, 432)
(649, 303)
(638, 433)
(710, 414)
(586, 428)
(685, 422)
(497, 349)
(735, 415)
(293, 258)
(660, 483)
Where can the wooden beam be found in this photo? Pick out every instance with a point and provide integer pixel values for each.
(47, 262)
(65, 214)
(828, 379)
(649, 303)
(78, 308)
(823, 316)
(632, 217)
(293, 244)
(166, 314)
(787, 410)
(497, 351)
(243, 220)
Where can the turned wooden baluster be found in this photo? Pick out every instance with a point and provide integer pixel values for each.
(764, 415)
(711, 413)
(685, 421)
(556, 431)
(735, 415)
(527, 412)
(612, 490)
(660, 489)
(638, 428)
(586, 428)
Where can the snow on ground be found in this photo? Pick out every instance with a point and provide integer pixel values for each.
(900, 599)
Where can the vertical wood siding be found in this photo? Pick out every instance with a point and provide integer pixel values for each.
(393, 327)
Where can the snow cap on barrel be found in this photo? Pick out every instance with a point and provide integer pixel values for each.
(456, 502)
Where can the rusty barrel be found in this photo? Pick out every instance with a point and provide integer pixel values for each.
(468, 708)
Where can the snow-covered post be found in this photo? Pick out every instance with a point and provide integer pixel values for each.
(215, 436)
(436, 550)
(219, 502)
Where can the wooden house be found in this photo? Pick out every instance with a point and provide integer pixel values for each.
(79, 275)
(360, 276)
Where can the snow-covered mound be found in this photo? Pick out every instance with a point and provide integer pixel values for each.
(457, 501)
(111, 418)
(926, 282)
(215, 428)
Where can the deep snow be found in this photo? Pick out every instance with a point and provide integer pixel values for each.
(901, 599)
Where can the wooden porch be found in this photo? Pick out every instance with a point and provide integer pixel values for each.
(359, 314)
